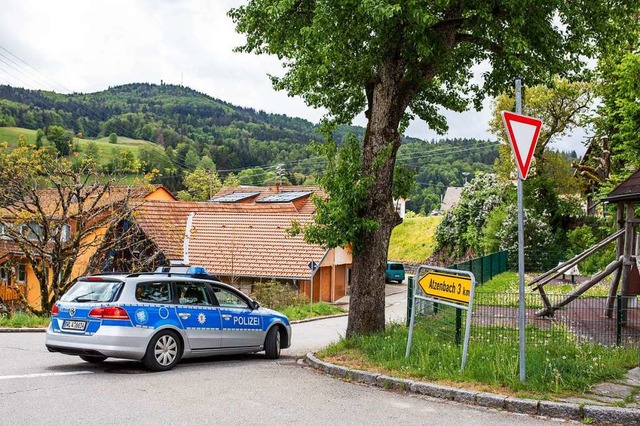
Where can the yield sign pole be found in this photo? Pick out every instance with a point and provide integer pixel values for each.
(523, 134)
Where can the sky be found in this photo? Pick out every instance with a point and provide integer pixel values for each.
(87, 46)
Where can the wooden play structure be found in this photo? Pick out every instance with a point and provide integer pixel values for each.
(626, 196)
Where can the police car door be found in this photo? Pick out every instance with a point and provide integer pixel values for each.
(199, 316)
(241, 327)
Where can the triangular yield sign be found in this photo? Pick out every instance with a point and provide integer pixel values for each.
(523, 134)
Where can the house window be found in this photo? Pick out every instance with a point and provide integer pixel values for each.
(22, 273)
(65, 232)
(3, 230)
(31, 231)
(3, 274)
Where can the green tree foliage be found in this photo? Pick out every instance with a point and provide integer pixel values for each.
(154, 157)
(200, 185)
(562, 107)
(231, 181)
(207, 163)
(394, 60)
(253, 176)
(39, 138)
(438, 165)
(241, 138)
(538, 240)
(113, 138)
(585, 236)
(92, 152)
(461, 230)
(6, 120)
(339, 219)
(233, 137)
(620, 114)
(485, 220)
(60, 138)
(191, 159)
(122, 161)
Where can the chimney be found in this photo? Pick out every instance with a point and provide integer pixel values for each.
(277, 186)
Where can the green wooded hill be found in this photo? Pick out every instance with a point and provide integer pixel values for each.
(232, 136)
(190, 129)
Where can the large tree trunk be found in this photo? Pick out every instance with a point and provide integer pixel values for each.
(381, 143)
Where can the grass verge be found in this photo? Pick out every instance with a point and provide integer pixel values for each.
(22, 320)
(299, 312)
(560, 367)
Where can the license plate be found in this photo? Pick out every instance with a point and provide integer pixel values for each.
(74, 325)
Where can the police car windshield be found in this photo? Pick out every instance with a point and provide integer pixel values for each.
(92, 291)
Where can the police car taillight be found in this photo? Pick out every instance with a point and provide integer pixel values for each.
(55, 310)
(109, 312)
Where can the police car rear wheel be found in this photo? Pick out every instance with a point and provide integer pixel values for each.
(272, 344)
(93, 359)
(164, 351)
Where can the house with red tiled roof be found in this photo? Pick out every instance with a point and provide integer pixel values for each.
(241, 236)
(18, 281)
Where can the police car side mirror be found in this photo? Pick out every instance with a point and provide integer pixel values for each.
(255, 304)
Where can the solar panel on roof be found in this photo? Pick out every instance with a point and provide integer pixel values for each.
(234, 197)
(284, 197)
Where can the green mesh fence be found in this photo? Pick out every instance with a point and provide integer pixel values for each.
(483, 268)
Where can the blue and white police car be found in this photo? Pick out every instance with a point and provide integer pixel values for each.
(160, 318)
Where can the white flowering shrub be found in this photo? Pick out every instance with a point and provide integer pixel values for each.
(461, 229)
(538, 238)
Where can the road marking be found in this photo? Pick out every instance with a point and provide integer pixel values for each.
(31, 376)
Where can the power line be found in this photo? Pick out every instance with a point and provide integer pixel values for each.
(311, 161)
(42, 99)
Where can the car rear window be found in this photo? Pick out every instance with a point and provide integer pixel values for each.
(154, 292)
(396, 266)
(92, 291)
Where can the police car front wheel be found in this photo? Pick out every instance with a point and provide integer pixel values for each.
(164, 351)
(272, 343)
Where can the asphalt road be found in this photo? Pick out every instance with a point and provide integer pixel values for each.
(38, 388)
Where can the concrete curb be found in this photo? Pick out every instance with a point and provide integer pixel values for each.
(319, 318)
(563, 410)
(23, 330)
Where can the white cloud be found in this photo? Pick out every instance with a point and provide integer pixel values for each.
(87, 46)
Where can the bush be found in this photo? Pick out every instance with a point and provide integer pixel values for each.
(461, 229)
(585, 236)
(275, 295)
(21, 320)
(409, 214)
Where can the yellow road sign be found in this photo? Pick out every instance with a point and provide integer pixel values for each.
(447, 286)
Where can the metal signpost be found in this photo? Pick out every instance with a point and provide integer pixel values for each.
(448, 287)
(523, 134)
(313, 266)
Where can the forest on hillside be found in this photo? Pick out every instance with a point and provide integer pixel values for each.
(192, 130)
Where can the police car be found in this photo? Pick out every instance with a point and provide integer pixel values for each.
(160, 318)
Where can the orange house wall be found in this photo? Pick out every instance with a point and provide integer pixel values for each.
(160, 194)
(81, 264)
(340, 282)
(329, 282)
(33, 288)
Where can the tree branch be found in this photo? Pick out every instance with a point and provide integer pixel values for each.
(479, 41)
